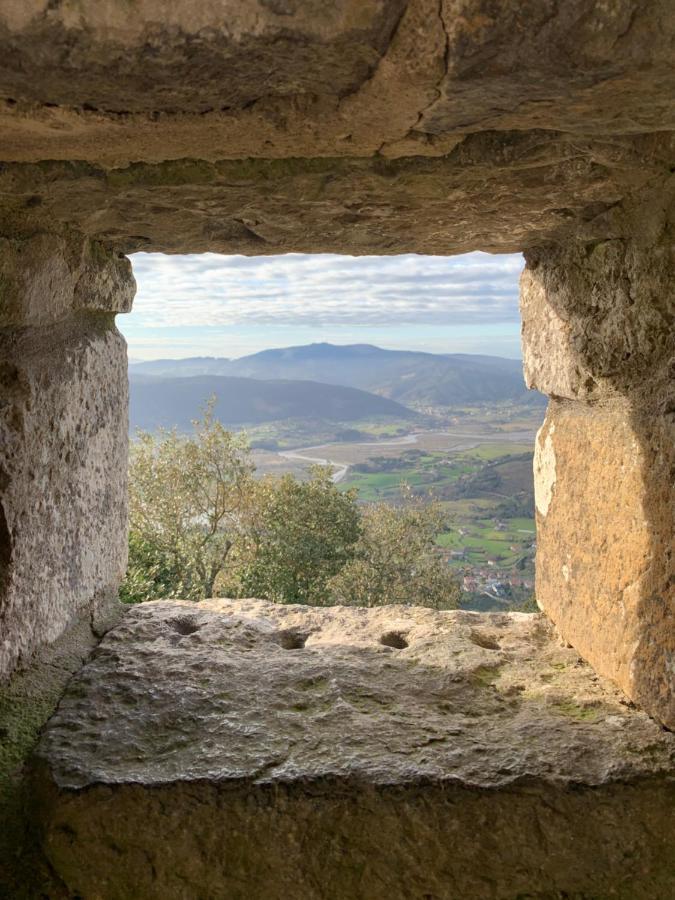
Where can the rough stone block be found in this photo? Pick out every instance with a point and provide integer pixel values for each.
(26, 702)
(550, 363)
(597, 319)
(353, 77)
(238, 749)
(47, 277)
(63, 461)
(605, 523)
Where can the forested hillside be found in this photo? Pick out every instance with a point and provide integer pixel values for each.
(159, 401)
(420, 379)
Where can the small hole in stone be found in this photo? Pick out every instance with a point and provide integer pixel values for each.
(484, 640)
(395, 639)
(184, 625)
(292, 640)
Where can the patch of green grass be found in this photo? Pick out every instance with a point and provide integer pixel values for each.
(449, 539)
(492, 451)
(493, 548)
(522, 524)
(486, 676)
(576, 711)
(467, 509)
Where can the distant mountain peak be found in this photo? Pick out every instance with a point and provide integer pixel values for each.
(160, 401)
(413, 378)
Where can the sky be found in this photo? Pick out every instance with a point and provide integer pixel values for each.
(212, 305)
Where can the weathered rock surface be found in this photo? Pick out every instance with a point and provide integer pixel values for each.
(47, 276)
(238, 749)
(361, 126)
(369, 126)
(26, 703)
(63, 438)
(605, 525)
(63, 459)
(282, 78)
(598, 318)
(599, 335)
(496, 192)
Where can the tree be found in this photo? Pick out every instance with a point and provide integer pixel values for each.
(186, 507)
(150, 573)
(529, 605)
(202, 526)
(395, 560)
(301, 535)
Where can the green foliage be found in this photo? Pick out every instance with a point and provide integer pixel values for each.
(201, 526)
(186, 497)
(395, 560)
(151, 573)
(529, 605)
(302, 534)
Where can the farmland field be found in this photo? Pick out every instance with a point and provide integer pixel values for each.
(477, 466)
(484, 492)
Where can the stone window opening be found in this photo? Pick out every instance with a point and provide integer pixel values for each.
(186, 694)
(203, 319)
(496, 756)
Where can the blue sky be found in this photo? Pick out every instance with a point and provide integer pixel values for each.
(211, 305)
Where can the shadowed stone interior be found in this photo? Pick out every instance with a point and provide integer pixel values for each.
(294, 78)
(63, 434)
(361, 127)
(354, 766)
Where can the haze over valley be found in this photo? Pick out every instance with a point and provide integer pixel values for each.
(310, 381)
(458, 427)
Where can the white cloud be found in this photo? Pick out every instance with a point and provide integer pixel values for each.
(319, 290)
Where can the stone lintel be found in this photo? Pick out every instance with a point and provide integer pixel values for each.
(278, 78)
(251, 750)
(500, 192)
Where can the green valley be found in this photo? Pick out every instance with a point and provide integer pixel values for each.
(486, 493)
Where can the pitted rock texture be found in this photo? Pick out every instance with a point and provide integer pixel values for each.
(599, 317)
(604, 479)
(282, 78)
(362, 126)
(240, 749)
(46, 277)
(63, 460)
(63, 436)
(494, 192)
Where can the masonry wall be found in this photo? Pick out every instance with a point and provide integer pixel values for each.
(598, 338)
(63, 438)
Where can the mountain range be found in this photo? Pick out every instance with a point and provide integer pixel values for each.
(164, 401)
(410, 378)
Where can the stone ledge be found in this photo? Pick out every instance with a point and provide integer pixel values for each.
(242, 749)
(27, 700)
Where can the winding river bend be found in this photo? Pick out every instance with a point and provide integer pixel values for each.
(460, 440)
